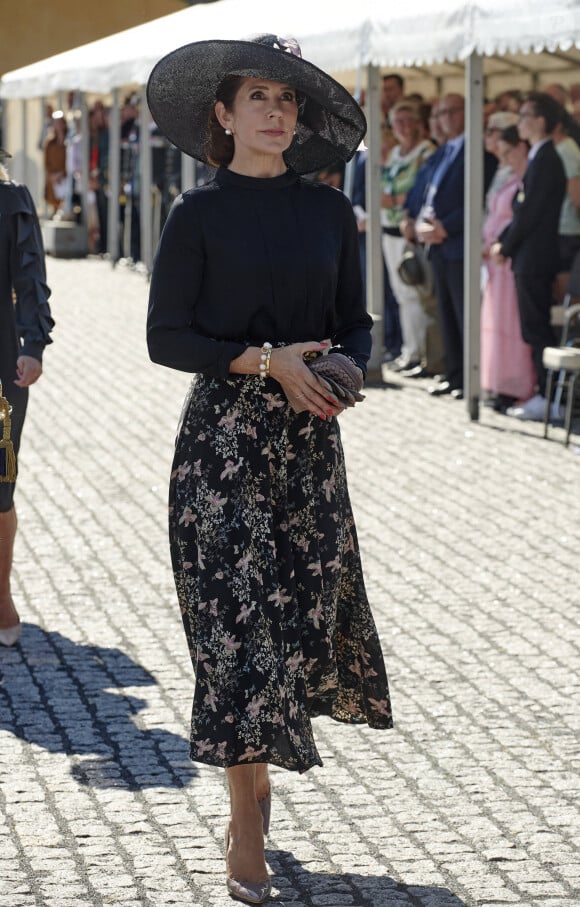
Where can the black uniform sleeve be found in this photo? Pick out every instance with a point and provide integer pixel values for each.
(28, 273)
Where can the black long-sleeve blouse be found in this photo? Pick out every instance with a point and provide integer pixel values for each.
(244, 260)
(25, 318)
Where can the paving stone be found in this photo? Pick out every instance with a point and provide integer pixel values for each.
(471, 800)
(16, 900)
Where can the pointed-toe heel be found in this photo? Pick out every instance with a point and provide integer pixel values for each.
(265, 805)
(249, 892)
(11, 635)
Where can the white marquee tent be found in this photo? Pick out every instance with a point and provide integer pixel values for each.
(337, 37)
(430, 38)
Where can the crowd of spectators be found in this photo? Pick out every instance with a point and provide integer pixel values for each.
(531, 234)
(63, 193)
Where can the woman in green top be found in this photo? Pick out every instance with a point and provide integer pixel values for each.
(399, 174)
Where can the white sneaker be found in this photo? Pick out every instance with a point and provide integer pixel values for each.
(557, 413)
(532, 410)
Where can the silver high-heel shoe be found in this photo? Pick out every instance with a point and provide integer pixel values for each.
(11, 635)
(265, 805)
(249, 892)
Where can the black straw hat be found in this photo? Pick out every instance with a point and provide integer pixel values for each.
(183, 85)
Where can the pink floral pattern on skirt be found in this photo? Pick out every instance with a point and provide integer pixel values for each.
(269, 578)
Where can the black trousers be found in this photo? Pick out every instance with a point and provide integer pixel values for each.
(392, 336)
(448, 281)
(534, 292)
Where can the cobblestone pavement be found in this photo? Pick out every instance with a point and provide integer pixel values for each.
(470, 535)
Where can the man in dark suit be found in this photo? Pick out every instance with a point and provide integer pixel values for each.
(392, 336)
(440, 225)
(531, 239)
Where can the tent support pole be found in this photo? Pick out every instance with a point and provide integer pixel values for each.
(114, 178)
(349, 169)
(22, 176)
(85, 160)
(374, 263)
(146, 197)
(473, 226)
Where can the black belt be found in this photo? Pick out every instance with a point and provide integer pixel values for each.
(392, 231)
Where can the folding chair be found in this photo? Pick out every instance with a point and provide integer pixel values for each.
(565, 360)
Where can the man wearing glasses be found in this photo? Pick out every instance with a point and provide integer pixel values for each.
(440, 225)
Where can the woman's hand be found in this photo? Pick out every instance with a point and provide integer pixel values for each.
(431, 232)
(407, 228)
(302, 388)
(393, 201)
(28, 370)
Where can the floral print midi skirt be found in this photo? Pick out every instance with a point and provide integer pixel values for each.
(268, 577)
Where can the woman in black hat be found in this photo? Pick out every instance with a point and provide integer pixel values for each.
(25, 325)
(253, 272)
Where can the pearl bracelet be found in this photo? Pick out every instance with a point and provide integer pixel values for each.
(265, 354)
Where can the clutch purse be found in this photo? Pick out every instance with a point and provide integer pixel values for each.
(340, 376)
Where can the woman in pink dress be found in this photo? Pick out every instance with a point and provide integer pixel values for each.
(507, 372)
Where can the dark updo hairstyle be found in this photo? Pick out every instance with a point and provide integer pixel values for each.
(511, 136)
(220, 147)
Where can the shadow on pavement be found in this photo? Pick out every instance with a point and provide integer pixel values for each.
(68, 698)
(556, 432)
(334, 888)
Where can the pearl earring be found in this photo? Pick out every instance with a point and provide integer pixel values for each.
(228, 131)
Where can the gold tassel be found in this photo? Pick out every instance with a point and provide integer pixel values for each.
(7, 455)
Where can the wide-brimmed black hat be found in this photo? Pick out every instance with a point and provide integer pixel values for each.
(183, 85)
